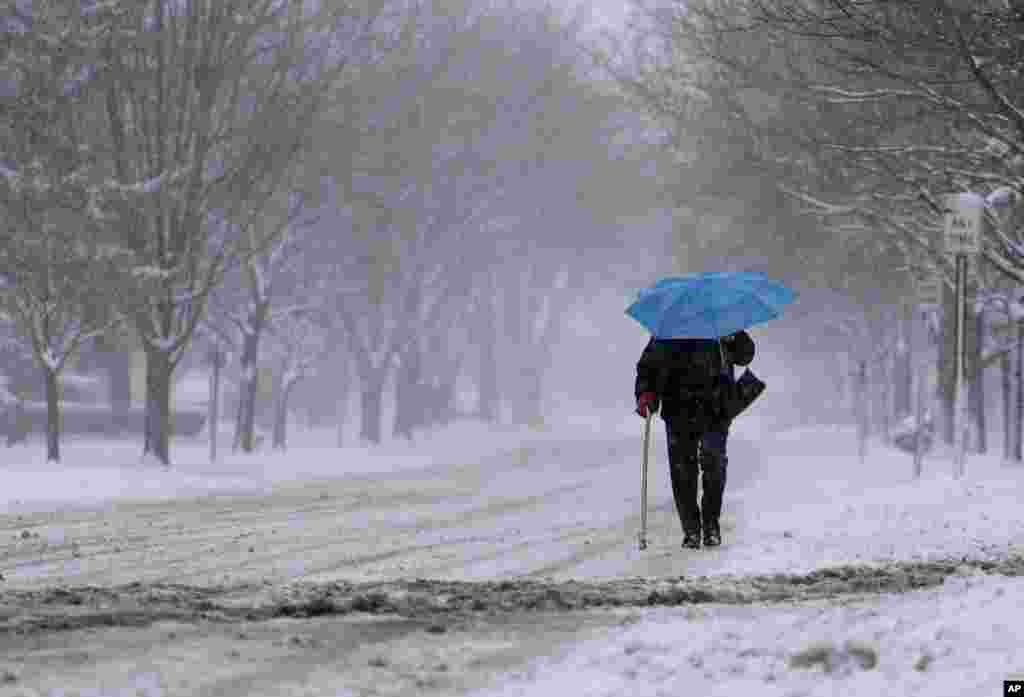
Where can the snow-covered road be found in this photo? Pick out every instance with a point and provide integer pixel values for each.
(536, 505)
(519, 507)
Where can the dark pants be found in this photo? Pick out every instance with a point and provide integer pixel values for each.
(696, 449)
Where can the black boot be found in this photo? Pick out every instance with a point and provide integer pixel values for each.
(712, 534)
(684, 490)
(714, 467)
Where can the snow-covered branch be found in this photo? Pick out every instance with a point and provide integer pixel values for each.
(820, 206)
(841, 95)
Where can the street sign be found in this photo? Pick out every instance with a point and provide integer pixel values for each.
(964, 216)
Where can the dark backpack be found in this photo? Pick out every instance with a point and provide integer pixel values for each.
(692, 363)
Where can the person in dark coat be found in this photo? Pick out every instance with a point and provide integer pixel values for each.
(693, 380)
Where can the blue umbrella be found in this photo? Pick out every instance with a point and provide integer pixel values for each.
(709, 305)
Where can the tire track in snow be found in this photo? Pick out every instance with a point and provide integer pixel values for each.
(98, 547)
(352, 562)
(595, 550)
(153, 553)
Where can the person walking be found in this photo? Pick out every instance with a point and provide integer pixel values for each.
(693, 382)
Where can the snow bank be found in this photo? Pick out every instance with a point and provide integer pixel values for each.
(816, 503)
(960, 639)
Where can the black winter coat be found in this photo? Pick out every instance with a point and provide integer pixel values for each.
(688, 375)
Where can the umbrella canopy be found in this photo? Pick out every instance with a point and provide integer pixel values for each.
(709, 305)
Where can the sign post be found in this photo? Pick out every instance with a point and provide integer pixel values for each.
(964, 214)
(921, 437)
(929, 298)
(216, 358)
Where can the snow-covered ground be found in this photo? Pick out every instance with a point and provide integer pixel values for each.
(563, 503)
(962, 639)
(814, 504)
(94, 471)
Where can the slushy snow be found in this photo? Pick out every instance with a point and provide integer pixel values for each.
(811, 504)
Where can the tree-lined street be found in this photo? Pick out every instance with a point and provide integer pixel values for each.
(316, 376)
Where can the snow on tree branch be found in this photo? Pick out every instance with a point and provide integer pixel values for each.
(841, 95)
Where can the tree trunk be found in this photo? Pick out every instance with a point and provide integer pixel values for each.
(439, 401)
(516, 350)
(119, 374)
(447, 392)
(1006, 369)
(490, 397)
(52, 415)
(314, 416)
(281, 416)
(373, 375)
(863, 399)
(947, 366)
(838, 386)
(158, 405)
(921, 438)
(370, 410)
(237, 440)
(410, 407)
(216, 361)
(904, 367)
(439, 394)
(344, 373)
(520, 361)
(534, 395)
(886, 395)
(249, 388)
(277, 434)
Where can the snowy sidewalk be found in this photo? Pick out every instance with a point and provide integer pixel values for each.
(960, 640)
(816, 505)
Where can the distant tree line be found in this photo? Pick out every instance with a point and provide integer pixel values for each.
(385, 194)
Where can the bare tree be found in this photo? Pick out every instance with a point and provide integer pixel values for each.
(299, 347)
(206, 105)
(862, 113)
(268, 267)
(449, 164)
(57, 260)
(56, 292)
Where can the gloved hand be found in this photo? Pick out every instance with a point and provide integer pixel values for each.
(646, 403)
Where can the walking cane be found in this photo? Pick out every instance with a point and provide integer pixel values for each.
(643, 481)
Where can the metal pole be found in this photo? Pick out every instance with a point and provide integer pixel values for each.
(214, 415)
(1018, 435)
(907, 389)
(863, 412)
(919, 439)
(961, 419)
